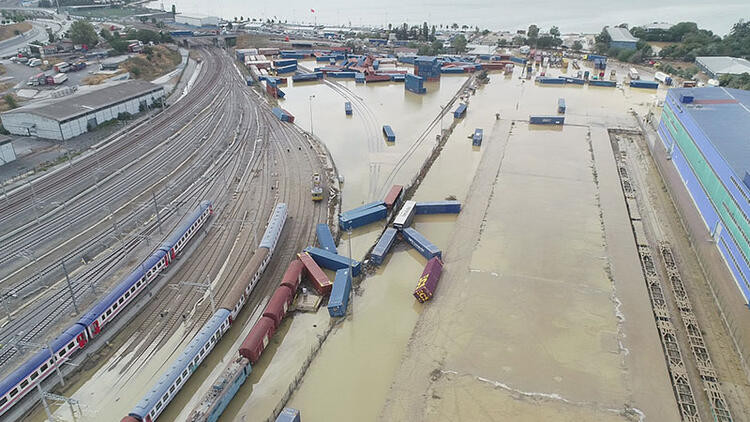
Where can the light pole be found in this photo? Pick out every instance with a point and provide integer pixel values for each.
(311, 116)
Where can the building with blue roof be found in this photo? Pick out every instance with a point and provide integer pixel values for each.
(705, 132)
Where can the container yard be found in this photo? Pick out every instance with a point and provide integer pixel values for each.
(506, 282)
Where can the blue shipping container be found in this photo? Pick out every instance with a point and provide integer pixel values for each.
(284, 62)
(305, 77)
(354, 211)
(341, 74)
(569, 80)
(397, 77)
(450, 70)
(420, 243)
(389, 134)
(359, 78)
(550, 81)
(339, 299)
(415, 84)
(383, 246)
(286, 69)
(279, 113)
(599, 82)
(348, 108)
(460, 111)
(438, 207)
(288, 415)
(546, 120)
(476, 139)
(644, 84)
(362, 218)
(333, 261)
(325, 239)
(561, 105)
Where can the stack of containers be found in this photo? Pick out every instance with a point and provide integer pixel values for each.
(415, 84)
(333, 261)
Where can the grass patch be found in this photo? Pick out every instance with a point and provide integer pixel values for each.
(154, 62)
(10, 31)
(108, 12)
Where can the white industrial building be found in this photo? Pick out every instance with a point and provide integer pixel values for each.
(197, 20)
(7, 153)
(71, 116)
(715, 66)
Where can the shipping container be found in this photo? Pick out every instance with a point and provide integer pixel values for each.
(405, 215)
(257, 340)
(609, 84)
(367, 206)
(359, 78)
(381, 249)
(546, 120)
(332, 261)
(437, 207)
(286, 69)
(325, 239)
(397, 77)
(393, 198)
(352, 220)
(59, 78)
(460, 111)
(293, 275)
(561, 105)
(415, 84)
(377, 78)
(452, 70)
(289, 117)
(390, 136)
(550, 80)
(289, 415)
(476, 139)
(284, 62)
(318, 279)
(429, 280)
(339, 300)
(644, 84)
(687, 98)
(348, 108)
(249, 80)
(420, 243)
(341, 75)
(569, 80)
(278, 305)
(306, 77)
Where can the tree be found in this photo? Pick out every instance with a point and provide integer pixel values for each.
(174, 9)
(519, 40)
(533, 31)
(464, 27)
(454, 26)
(45, 3)
(486, 32)
(143, 19)
(10, 100)
(82, 32)
(51, 36)
(229, 25)
(577, 46)
(555, 32)
(459, 43)
(153, 21)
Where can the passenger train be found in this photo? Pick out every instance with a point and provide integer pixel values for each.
(41, 365)
(170, 383)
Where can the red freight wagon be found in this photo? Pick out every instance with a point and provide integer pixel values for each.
(257, 340)
(393, 196)
(277, 305)
(293, 275)
(318, 278)
(429, 280)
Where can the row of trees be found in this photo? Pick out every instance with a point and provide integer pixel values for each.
(534, 39)
(701, 42)
(82, 32)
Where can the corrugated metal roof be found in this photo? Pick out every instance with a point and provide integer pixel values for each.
(724, 65)
(66, 108)
(726, 125)
(620, 35)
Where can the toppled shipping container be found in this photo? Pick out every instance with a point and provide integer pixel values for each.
(339, 300)
(393, 198)
(333, 261)
(420, 243)
(318, 278)
(325, 239)
(429, 280)
(352, 220)
(383, 246)
(438, 207)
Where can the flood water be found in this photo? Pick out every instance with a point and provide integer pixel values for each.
(355, 369)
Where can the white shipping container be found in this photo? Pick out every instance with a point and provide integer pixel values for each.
(7, 153)
(633, 73)
(60, 78)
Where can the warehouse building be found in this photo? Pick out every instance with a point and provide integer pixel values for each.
(621, 38)
(71, 116)
(722, 65)
(197, 20)
(704, 156)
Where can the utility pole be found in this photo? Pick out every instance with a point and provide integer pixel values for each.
(311, 116)
(70, 286)
(158, 216)
(44, 402)
(203, 286)
(4, 300)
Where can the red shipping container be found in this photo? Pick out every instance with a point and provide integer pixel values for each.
(277, 305)
(291, 118)
(393, 195)
(293, 275)
(318, 278)
(429, 280)
(257, 340)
